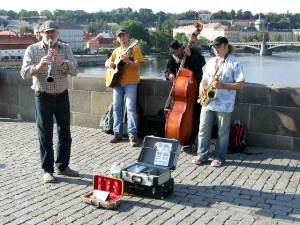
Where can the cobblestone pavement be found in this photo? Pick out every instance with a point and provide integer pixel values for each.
(262, 188)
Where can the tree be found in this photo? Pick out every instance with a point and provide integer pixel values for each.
(146, 49)
(146, 16)
(182, 38)
(168, 25)
(221, 15)
(136, 30)
(276, 38)
(239, 14)
(12, 15)
(247, 15)
(96, 27)
(160, 41)
(232, 14)
(188, 15)
(26, 30)
(46, 13)
(202, 42)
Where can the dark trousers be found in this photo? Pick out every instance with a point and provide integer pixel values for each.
(47, 106)
(196, 119)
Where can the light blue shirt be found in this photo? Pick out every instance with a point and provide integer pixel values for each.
(232, 72)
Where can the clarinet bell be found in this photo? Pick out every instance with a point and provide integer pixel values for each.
(49, 79)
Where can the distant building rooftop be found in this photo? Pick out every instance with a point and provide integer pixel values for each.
(8, 33)
(16, 42)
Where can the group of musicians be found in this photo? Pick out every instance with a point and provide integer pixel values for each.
(50, 57)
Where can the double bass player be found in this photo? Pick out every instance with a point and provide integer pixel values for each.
(194, 62)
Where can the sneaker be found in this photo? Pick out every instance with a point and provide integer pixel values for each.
(115, 139)
(216, 163)
(198, 162)
(133, 141)
(68, 172)
(48, 177)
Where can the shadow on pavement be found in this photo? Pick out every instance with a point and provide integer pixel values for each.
(267, 204)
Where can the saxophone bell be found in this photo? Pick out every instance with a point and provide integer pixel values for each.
(211, 93)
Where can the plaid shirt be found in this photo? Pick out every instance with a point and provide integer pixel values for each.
(32, 57)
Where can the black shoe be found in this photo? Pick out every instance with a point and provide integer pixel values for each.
(116, 139)
(68, 172)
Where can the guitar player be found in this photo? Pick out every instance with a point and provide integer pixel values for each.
(127, 86)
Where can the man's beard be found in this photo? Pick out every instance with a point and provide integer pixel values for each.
(53, 41)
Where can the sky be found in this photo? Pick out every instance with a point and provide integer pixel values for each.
(172, 6)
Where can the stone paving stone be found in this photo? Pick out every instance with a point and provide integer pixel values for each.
(249, 189)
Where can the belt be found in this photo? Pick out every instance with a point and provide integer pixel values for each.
(52, 94)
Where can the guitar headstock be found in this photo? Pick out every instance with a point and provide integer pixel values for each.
(133, 44)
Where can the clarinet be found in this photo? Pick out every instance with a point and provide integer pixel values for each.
(49, 77)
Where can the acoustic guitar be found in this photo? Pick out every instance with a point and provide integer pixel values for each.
(113, 75)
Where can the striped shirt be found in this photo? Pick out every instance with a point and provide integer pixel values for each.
(32, 57)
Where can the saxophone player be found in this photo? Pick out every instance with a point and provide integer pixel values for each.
(224, 74)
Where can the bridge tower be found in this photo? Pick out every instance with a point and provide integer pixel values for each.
(263, 49)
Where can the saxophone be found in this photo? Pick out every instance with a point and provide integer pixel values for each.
(210, 92)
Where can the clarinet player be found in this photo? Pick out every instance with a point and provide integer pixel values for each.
(230, 78)
(48, 63)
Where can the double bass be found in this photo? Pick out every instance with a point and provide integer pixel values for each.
(179, 109)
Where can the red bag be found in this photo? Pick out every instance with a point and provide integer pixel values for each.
(237, 138)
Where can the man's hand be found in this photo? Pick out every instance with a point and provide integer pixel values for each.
(187, 51)
(125, 58)
(217, 85)
(43, 62)
(171, 76)
(112, 65)
(202, 87)
(56, 58)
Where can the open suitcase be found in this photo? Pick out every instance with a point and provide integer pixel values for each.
(151, 175)
(114, 186)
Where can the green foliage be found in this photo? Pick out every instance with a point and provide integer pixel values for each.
(144, 47)
(188, 15)
(26, 30)
(25, 13)
(202, 42)
(136, 30)
(148, 18)
(47, 13)
(96, 27)
(105, 51)
(182, 38)
(276, 37)
(251, 38)
(160, 41)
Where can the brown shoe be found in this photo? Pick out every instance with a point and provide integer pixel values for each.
(115, 139)
(133, 142)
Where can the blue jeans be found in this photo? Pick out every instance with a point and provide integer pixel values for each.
(207, 120)
(130, 92)
(47, 106)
